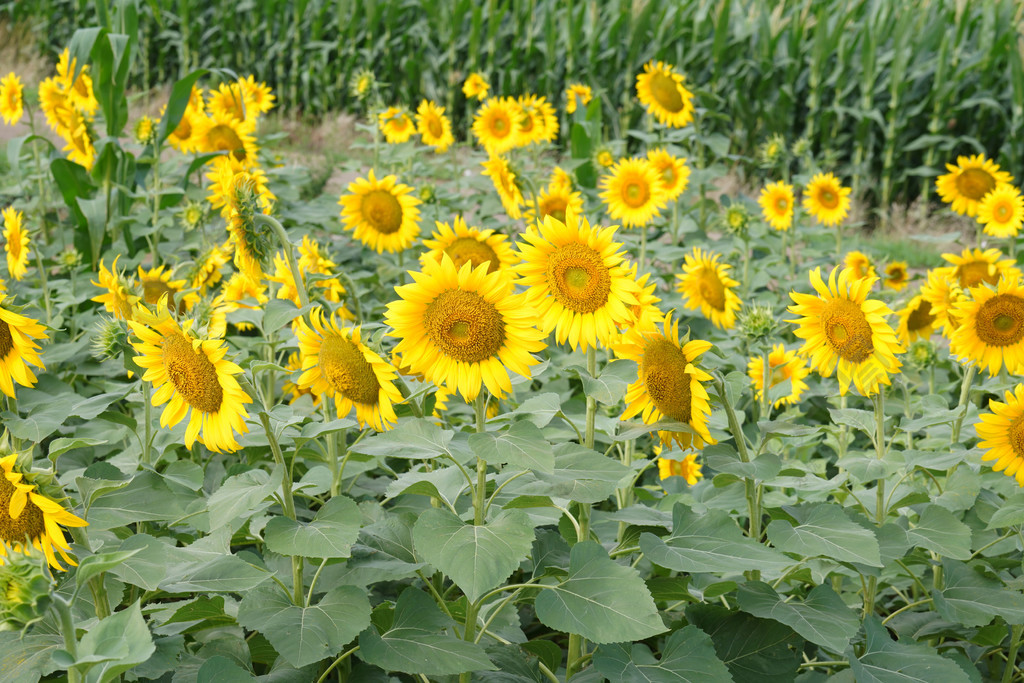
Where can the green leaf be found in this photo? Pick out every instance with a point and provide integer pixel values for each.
(62, 445)
(822, 618)
(600, 600)
(446, 483)
(864, 420)
(242, 495)
(939, 531)
(523, 446)
(418, 438)
(888, 661)
(970, 598)
(1010, 513)
(122, 640)
(223, 574)
(176, 104)
(610, 386)
(580, 474)
(145, 498)
(305, 635)
(476, 558)
(220, 669)
(415, 643)
(94, 565)
(755, 650)
(147, 564)
(540, 409)
(824, 529)
(709, 543)
(279, 312)
(24, 658)
(331, 533)
(687, 655)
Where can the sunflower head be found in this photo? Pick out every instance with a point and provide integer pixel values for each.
(1001, 211)
(475, 85)
(577, 94)
(688, 468)
(224, 133)
(974, 267)
(991, 331)
(1002, 434)
(464, 244)
(705, 284)
(381, 213)
(777, 203)
(434, 127)
(396, 124)
(144, 131)
(119, 298)
(662, 91)
(503, 175)
(12, 104)
(736, 219)
(16, 242)
(943, 291)
(860, 264)
(363, 84)
(633, 192)
(916, 321)
(772, 151)
(783, 365)
(826, 199)
(497, 125)
(675, 174)
(756, 322)
(538, 122)
(969, 181)
(896, 276)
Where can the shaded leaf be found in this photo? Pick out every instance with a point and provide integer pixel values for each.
(822, 617)
(687, 655)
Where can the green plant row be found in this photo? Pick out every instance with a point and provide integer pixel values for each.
(860, 79)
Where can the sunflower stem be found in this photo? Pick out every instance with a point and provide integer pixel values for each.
(46, 288)
(643, 248)
(879, 439)
(962, 406)
(843, 429)
(148, 418)
(625, 494)
(156, 209)
(839, 242)
(68, 632)
(480, 492)
(1011, 656)
(286, 246)
(288, 503)
(749, 485)
(350, 296)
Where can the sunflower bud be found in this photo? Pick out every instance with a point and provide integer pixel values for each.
(145, 130)
(736, 220)
(922, 354)
(110, 340)
(363, 84)
(427, 193)
(802, 148)
(756, 322)
(254, 241)
(603, 157)
(24, 591)
(191, 215)
(772, 151)
(70, 258)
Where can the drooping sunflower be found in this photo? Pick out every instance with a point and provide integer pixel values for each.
(826, 199)
(434, 127)
(777, 204)
(688, 468)
(396, 124)
(227, 176)
(15, 243)
(12, 104)
(860, 264)
(464, 328)
(705, 284)
(782, 365)
(336, 364)
(1001, 211)
(224, 133)
(974, 267)
(896, 276)
(633, 192)
(664, 93)
(917, 320)
(577, 279)
(157, 283)
(472, 245)
(119, 298)
(496, 125)
(29, 519)
(190, 373)
(943, 291)
(538, 122)
(555, 200)
(476, 86)
(18, 350)
(968, 182)
(991, 330)
(577, 92)
(382, 213)
(843, 329)
(1002, 434)
(504, 179)
(673, 172)
(669, 383)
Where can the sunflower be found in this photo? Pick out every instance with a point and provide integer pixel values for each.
(475, 86)
(603, 158)
(969, 181)
(705, 284)
(504, 179)
(782, 365)
(183, 136)
(577, 92)
(144, 131)
(974, 267)
(237, 290)
(645, 313)
(688, 468)
(224, 133)
(157, 283)
(188, 372)
(577, 279)
(917, 320)
(633, 192)
(1002, 434)
(78, 135)
(826, 199)
(469, 245)
(943, 291)
(30, 519)
(991, 330)
(331, 287)
(672, 171)
(860, 264)
(843, 328)
(561, 180)
(382, 213)
(777, 203)
(15, 243)
(79, 92)
(259, 95)
(496, 125)
(11, 99)
(538, 122)
(896, 276)
(119, 298)
(555, 200)
(396, 124)
(291, 390)
(463, 328)
(434, 127)
(228, 176)
(336, 364)
(668, 382)
(1001, 211)
(664, 93)
(17, 350)
(229, 100)
(207, 270)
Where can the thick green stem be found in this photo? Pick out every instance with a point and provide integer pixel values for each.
(147, 440)
(67, 631)
(480, 492)
(287, 501)
(965, 392)
(286, 246)
(1011, 656)
(879, 400)
(46, 289)
(749, 485)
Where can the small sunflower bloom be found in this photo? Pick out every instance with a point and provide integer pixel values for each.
(896, 275)
(943, 291)
(18, 349)
(1002, 434)
(538, 122)
(497, 125)
(860, 263)
(434, 127)
(396, 124)
(1001, 211)
(705, 284)
(503, 176)
(633, 192)
(782, 365)
(145, 130)
(673, 172)
(381, 213)
(16, 242)
(777, 204)
(991, 331)
(577, 94)
(663, 92)
(688, 468)
(967, 183)
(475, 85)
(119, 298)
(12, 103)
(826, 199)
(917, 320)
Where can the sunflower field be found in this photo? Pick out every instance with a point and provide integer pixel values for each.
(535, 391)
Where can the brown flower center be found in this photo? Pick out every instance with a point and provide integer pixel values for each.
(347, 370)
(921, 317)
(975, 272)
(663, 368)
(192, 374)
(223, 138)
(382, 211)
(1015, 435)
(471, 250)
(828, 198)
(635, 193)
(464, 325)
(435, 127)
(6, 340)
(554, 207)
(847, 330)
(1000, 320)
(711, 288)
(975, 183)
(30, 523)
(665, 92)
(578, 278)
